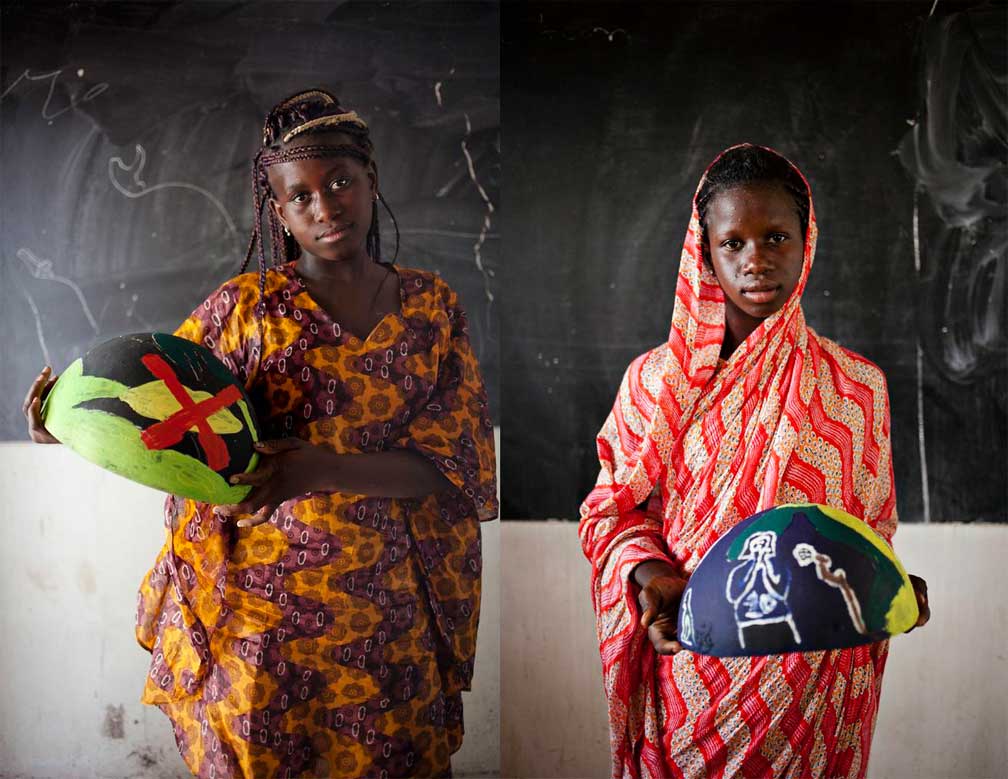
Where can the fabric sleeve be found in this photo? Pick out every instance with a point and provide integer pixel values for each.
(227, 324)
(453, 429)
(615, 542)
(619, 540)
(877, 470)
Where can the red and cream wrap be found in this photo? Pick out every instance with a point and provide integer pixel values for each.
(692, 446)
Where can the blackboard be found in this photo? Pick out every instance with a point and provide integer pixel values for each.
(612, 112)
(127, 133)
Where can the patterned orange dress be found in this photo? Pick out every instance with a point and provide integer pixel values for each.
(334, 640)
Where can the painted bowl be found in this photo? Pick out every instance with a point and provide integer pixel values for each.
(159, 410)
(795, 578)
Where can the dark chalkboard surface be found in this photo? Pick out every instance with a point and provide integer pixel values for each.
(612, 112)
(128, 130)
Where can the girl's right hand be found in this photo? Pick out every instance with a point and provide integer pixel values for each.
(661, 589)
(33, 408)
(659, 601)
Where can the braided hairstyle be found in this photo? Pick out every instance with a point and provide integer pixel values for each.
(310, 112)
(748, 164)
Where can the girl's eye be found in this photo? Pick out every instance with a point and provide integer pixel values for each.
(778, 237)
(732, 243)
(340, 183)
(300, 197)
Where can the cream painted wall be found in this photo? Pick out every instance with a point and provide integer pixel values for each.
(944, 711)
(75, 542)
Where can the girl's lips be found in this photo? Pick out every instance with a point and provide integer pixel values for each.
(334, 235)
(761, 295)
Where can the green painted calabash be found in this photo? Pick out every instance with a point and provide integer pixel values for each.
(159, 410)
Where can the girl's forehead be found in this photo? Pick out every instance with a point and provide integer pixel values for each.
(755, 195)
(760, 190)
(315, 165)
(302, 169)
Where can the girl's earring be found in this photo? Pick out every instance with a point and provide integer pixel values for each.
(286, 231)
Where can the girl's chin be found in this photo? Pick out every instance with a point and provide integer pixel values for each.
(763, 305)
(749, 312)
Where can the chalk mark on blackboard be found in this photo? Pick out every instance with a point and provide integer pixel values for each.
(43, 270)
(955, 153)
(443, 233)
(76, 153)
(131, 313)
(450, 185)
(38, 326)
(921, 447)
(136, 168)
(611, 33)
(53, 76)
(583, 33)
(437, 94)
(481, 239)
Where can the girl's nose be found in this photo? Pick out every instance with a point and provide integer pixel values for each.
(327, 207)
(756, 261)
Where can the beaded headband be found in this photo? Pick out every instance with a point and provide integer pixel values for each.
(302, 97)
(350, 117)
(314, 151)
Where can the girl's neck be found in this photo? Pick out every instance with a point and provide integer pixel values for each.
(350, 271)
(738, 327)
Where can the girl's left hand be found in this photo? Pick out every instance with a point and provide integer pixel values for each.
(290, 468)
(920, 590)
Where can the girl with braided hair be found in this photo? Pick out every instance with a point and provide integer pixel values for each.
(330, 630)
(744, 407)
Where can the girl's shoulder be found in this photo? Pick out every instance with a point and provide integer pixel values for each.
(236, 287)
(424, 289)
(647, 371)
(849, 363)
(416, 281)
(235, 294)
(243, 290)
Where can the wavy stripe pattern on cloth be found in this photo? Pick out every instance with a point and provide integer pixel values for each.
(335, 639)
(692, 446)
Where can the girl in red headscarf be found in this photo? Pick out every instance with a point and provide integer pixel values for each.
(743, 408)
